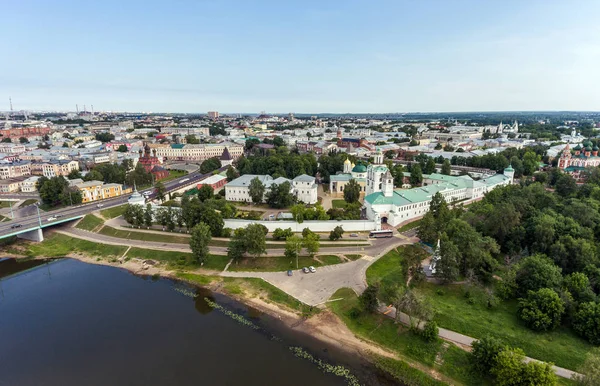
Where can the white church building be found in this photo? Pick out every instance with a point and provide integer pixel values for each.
(303, 187)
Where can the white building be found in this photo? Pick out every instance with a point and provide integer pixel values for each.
(303, 187)
(397, 206)
(29, 185)
(376, 173)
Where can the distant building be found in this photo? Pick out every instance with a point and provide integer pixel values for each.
(337, 182)
(583, 157)
(303, 187)
(216, 182)
(54, 168)
(151, 164)
(98, 190)
(201, 152)
(226, 158)
(213, 114)
(15, 169)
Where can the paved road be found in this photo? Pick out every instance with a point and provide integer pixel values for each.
(32, 221)
(464, 339)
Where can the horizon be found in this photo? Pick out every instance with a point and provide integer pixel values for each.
(334, 58)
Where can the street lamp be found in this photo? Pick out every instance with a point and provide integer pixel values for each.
(37, 206)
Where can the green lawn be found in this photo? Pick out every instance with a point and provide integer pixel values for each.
(272, 264)
(197, 279)
(143, 236)
(388, 269)
(562, 346)
(90, 222)
(385, 332)
(353, 257)
(113, 212)
(174, 174)
(329, 259)
(178, 259)
(6, 204)
(338, 204)
(57, 245)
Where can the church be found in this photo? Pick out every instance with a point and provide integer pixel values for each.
(584, 156)
(151, 164)
(395, 206)
(370, 178)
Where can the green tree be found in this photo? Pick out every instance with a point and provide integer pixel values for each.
(368, 299)
(74, 174)
(201, 236)
(531, 162)
(447, 267)
(256, 190)
(412, 303)
(586, 322)
(104, 137)
(590, 370)
(485, 354)
(578, 285)
(232, 174)
(508, 370)
(446, 169)
(209, 165)
(237, 244)
(23, 140)
(416, 175)
(280, 195)
(336, 233)
(148, 216)
(122, 149)
(311, 242)
(212, 218)
(537, 272)
(191, 139)
(93, 175)
(541, 310)
(566, 185)
(282, 234)
(352, 191)
(256, 239)
(205, 192)
(6, 140)
(429, 166)
(160, 191)
(293, 245)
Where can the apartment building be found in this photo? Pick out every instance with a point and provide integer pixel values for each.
(54, 168)
(15, 169)
(201, 152)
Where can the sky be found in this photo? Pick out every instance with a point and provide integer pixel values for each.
(305, 56)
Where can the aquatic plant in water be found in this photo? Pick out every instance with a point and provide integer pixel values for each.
(238, 318)
(185, 292)
(337, 370)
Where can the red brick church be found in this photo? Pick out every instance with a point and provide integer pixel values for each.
(152, 164)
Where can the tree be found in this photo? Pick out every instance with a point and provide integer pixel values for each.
(566, 185)
(293, 245)
(578, 285)
(23, 140)
(590, 371)
(256, 190)
(212, 218)
(280, 195)
(446, 169)
(414, 305)
(160, 191)
(336, 233)
(390, 154)
(429, 166)
(447, 267)
(74, 174)
(368, 299)
(352, 191)
(256, 241)
(485, 354)
(148, 216)
(6, 140)
(282, 234)
(536, 272)
(134, 215)
(237, 244)
(93, 175)
(416, 175)
(104, 137)
(310, 241)
(201, 236)
(56, 191)
(509, 366)
(205, 192)
(430, 331)
(122, 149)
(191, 139)
(209, 165)
(232, 174)
(586, 322)
(541, 310)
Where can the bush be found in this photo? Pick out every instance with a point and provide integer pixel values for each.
(541, 310)
(368, 299)
(354, 313)
(484, 354)
(430, 331)
(282, 234)
(226, 232)
(586, 322)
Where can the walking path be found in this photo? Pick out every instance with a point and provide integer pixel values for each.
(464, 340)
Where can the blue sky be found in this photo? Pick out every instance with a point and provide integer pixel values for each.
(301, 56)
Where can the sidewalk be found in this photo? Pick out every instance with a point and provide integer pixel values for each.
(464, 340)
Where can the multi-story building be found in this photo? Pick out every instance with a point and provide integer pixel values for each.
(12, 148)
(15, 169)
(10, 185)
(201, 152)
(98, 190)
(303, 187)
(213, 114)
(29, 185)
(582, 157)
(54, 168)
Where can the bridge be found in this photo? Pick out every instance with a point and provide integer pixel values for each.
(30, 227)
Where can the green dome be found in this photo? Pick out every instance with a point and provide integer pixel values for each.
(360, 168)
(595, 148)
(589, 148)
(577, 147)
(509, 169)
(587, 143)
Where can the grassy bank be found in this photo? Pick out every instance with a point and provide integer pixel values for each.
(90, 223)
(411, 348)
(409, 226)
(179, 260)
(113, 212)
(57, 245)
(281, 263)
(388, 269)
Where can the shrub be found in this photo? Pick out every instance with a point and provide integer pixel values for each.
(430, 331)
(586, 322)
(368, 299)
(282, 234)
(484, 354)
(354, 313)
(541, 310)
(226, 232)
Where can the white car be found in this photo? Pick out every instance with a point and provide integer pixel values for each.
(51, 219)
(312, 269)
(99, 205)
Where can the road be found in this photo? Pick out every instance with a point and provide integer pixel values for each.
(32, 221)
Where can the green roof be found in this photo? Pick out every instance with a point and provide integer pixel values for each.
(577, 147)
(177, 146)
(360, 168)
(380, 168)
(509, 169)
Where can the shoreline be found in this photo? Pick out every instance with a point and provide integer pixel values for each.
(324, 326)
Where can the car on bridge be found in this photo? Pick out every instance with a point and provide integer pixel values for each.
(51, 219)
(14, 226)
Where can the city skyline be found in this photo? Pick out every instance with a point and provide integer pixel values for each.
(304, 57)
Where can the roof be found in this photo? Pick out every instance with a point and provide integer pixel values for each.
(360, 168)
(380, 168)
(244, 180)
(304, 178)
(225, 156)
(212, 179)
(89, 184)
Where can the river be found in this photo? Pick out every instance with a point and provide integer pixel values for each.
(64, 322)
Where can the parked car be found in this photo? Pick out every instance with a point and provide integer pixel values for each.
(312, 269)
(353, 234)
(99, 205)
(16, 226)
(51, 219)
(305, 270)
(290, 272)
